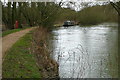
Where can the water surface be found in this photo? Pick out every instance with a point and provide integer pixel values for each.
(86, 52)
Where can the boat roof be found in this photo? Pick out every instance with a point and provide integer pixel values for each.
(69, 21)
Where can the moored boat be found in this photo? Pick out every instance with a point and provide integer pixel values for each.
(69, 23)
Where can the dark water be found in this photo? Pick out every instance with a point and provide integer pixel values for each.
(86, 52)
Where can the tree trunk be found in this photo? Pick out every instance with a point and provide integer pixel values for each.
(13, 14)
(20, 14)
(9, 16)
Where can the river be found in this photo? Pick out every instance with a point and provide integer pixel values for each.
(86, 52)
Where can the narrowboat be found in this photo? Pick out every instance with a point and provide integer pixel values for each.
(69, 23)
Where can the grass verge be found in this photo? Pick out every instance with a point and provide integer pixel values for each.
(19, 61)
(42, 50)
(4, 33)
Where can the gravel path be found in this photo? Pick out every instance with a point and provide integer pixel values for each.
(10, 39)
(7, 42)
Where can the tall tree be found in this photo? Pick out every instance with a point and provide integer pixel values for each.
(9, 16)
(19, 14)
(13, 14)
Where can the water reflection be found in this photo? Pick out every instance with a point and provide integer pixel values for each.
(86, 52)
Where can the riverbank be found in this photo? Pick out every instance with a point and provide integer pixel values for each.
(19, 61)
(48, 67)
(27, 60)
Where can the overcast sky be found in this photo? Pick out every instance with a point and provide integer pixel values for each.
(78, 4)
(61, 0)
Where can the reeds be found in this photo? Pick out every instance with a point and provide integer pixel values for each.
(48, 67)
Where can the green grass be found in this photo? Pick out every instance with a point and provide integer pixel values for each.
(4, 33)
(10, 31)
(19, 62)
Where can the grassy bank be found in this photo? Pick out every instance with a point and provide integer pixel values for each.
(19, 62)
(42, 50)
(4, 33)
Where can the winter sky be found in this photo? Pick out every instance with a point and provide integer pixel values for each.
(75, 5)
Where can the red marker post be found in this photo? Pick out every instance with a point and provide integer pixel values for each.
(16, 24)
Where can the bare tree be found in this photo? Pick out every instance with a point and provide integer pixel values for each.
(116, 6)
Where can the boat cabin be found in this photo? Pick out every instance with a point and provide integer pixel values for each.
(69, 23)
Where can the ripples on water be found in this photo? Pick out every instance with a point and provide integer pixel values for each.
(86, 52)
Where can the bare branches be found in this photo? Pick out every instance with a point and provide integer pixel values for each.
(116, 6)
